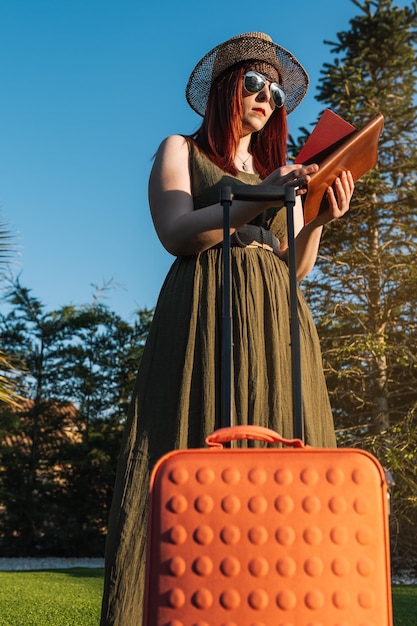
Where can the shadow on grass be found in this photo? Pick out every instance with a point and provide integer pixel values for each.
(79, 572)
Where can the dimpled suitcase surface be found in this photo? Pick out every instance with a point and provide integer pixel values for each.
(292, 536)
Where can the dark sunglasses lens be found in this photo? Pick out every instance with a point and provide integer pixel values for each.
(278, 95)
(253, 82)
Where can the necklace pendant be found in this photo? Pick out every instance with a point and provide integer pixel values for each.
(245, 167)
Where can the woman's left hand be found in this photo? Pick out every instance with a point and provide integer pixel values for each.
(338, 198)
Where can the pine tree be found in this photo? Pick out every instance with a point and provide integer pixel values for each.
(365, 287)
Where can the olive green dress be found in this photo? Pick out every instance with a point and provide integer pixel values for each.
(176, 400)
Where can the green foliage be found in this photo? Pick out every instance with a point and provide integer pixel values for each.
(363, 292)
(6, 247)
(8, 395)
(59, 449)
(7, 382)
(51, 598)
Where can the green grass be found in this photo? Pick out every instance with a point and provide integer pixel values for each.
(72, 597)
(69, 597)
(404, 600)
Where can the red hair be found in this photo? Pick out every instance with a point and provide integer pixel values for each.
(219, 134)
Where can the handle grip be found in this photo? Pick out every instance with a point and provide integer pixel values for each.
(257, 192)
(254, 433)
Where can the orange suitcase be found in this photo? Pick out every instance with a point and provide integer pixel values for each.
(268, 537)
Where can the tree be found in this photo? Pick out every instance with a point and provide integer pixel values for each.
(59, 450)
(364, 292)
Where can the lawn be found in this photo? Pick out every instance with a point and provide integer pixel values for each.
(72, 597)
(68, 597)
(404, 601)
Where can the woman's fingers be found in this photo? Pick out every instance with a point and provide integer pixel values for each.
(292, 175)
(339, 198)
(299, 176)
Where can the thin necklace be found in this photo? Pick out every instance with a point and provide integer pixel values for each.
(244, 168)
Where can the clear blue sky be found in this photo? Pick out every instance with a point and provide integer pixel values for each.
(89, 88)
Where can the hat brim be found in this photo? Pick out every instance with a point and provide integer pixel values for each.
(248, 47)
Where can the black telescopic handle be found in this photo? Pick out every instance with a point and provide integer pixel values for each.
(257, 192)
(298, 420)
(260, 193)
(227, 340)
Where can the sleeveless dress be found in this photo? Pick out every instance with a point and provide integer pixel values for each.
(176, 402)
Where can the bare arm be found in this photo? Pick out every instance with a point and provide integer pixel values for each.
(185, 231)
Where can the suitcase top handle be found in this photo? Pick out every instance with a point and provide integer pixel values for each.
(257, 433)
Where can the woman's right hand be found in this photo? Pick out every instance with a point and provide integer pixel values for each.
(296, 176)
(292, 176)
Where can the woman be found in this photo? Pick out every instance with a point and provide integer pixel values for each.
(244, 88)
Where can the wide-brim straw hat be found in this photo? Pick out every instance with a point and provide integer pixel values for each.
(247, 47)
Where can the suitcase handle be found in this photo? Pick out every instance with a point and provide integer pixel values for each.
(257, 433)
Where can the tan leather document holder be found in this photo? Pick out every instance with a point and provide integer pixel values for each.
(354, 150)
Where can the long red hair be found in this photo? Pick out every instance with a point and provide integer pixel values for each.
(219, 134)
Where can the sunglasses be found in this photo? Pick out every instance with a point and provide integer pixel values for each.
(254, 82)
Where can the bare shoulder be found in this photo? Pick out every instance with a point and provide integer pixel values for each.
(171, 166)
(174, 144)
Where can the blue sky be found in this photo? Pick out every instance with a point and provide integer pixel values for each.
(89, 88)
